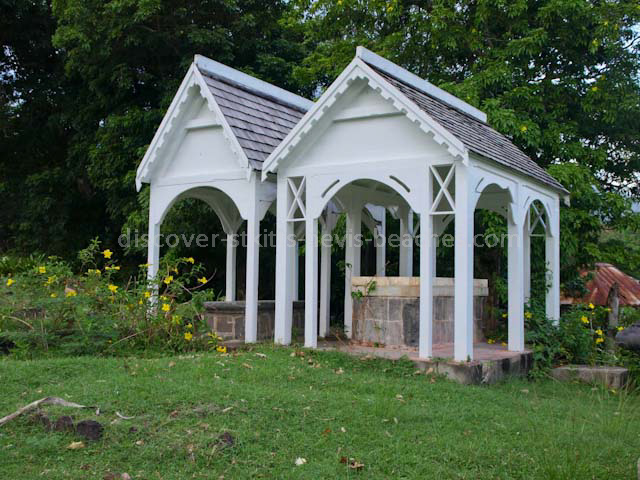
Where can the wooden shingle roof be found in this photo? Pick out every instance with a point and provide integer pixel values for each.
(476, 135)
(259, 121)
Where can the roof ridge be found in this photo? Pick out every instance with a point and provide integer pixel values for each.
(405, 76)
(252, 84)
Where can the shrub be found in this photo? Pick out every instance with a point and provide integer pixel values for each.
(47, 309)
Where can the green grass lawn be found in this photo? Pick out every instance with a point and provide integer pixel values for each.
(324, 407)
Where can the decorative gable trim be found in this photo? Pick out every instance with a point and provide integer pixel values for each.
(357, 70)
(169, 125)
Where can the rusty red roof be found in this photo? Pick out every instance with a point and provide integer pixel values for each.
(603, 278)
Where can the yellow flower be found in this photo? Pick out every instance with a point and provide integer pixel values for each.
(113, 288)
(620, 329)
(96, 271)
(42, 269)
(165, 307)
(221, 349)
(177, 319)
(504, 344)
(188, 336)
(107, 253)
(147, 294)
(71, 293)
(164, 298)
(599, 332)
(191, 260)
(504, 315)
(144, 265)
(140, 302)
(189, 326)
(10, 282)
(584, 319)
(594, 89)
(528, 314)
(523, 128)
(202, 280)
(113, 267)
(491, 341)
(591, 306)
(599, 340)
(54, 295)
(168, 279)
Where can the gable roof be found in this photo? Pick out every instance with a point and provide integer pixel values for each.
(459, 123)
(255, 115)
(259, 113)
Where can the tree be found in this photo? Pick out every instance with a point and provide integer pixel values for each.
(560, 77)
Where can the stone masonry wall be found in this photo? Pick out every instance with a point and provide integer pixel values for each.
(227, 319)
(394, 321)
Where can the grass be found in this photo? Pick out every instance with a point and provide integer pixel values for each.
(322, 406)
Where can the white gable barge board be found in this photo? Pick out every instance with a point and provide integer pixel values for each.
(252, 83)
(356, 70)
(430, 89)
(170, 124)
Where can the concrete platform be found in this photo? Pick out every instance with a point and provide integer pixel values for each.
(491, 364)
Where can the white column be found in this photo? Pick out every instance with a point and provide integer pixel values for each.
(253, 262)
(463, 289)
(296, 272)
(515, 281)
(153, 249)
(352, 261)
(526, 252)
(379, 215)
(284, 259)
(311, 283)
(552, 253)
(427, 268)
(325, 277)
(406, 242)
(230, 273)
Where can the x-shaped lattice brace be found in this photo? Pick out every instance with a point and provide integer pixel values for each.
(298, 200)
(443, 191)
(536, 217)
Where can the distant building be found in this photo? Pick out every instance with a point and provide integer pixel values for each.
(604, 278)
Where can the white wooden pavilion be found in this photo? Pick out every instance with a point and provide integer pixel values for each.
(380, 139)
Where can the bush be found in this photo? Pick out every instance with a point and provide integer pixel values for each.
(45, 308)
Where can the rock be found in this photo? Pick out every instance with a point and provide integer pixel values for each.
(64, 424)
(89, 429)
(630, 337)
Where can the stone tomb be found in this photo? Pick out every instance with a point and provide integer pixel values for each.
(386, 310)
(227, 319)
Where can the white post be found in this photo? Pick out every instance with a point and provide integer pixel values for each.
(406, 242)
(153, 248)
(325, 277)
(352, 261)
(230, 273)
(381, 247)
(253, 262)
(311, 283)
(526, 252)
(515, 275)
(552, 254)
(284, 259)
(296, 272)
(463, 289)
(427, 267)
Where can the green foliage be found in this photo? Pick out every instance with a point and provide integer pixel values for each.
(46, 309)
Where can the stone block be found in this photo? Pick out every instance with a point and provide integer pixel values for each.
(611, 377)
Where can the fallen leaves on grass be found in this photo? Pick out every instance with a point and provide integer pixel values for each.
(352, 462)
(246, 365)
(300, 461)
(261, 355)
(75, 445)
